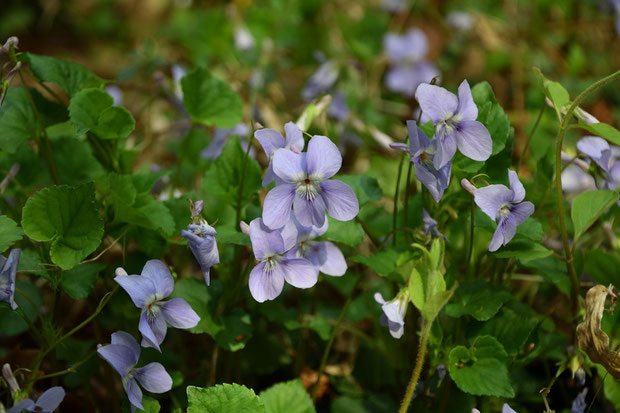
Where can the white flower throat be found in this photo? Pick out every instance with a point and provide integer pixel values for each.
(307, 189)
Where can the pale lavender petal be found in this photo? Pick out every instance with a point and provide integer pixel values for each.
(140, 289)
(575, 179)
(265, 242)
(310, 211)
(50, 400)
(507, 409)
(159, 274)
(445, 150)
(323, 158)
(154, 378)
(340, 200)
(411, 46)
(120, 357)
(505, 231)
(265, 285)
(467, 108)
(26, 404)
(289, 166)
(331, 259)
(290, 232)
(134, 393)
(204, 250)
(516, 186)
(520, 212)
(178, 313)
(401, 79)
(8, 272)
(418, 141)
(435, 181)
(299, 272)
(294, 137)
(379, 298)
(400, 146)
(270, 140)
(269, 175)
(596, 148)
(474, 140)
(436, 102)
(491, 198)
(277, 205)
(153, 330)
(396, 329)
(125, 339)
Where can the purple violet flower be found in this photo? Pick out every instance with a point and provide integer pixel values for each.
(147, 291)
(321, 81)
(460, 20)
(507, 409)
(603, 155)
(8, 272)
(220, 136)
(271, 140)
(504, 206)
(455, 122)
(268, 276)
(123, 354)
(324, 255)
(46, 403)
(422, 153)
(306, 187)
(408, 68)
(393, 313)
(579, 405)
(338, 108)
(431, 225)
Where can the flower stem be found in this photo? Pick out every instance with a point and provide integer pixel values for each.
(394, 218)
(406, 206)
(471, 235)
(30, 301)
(417, 370)
(315, 388)
(529, 137)
(67, 370)
(564, 126)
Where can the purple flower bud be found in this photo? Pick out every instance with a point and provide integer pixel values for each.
(8, 273)
(431, 225)
(7, 373)
(7, 45)
(579, 405)
(147, 291)
(196, 208)
(245, 228)
(393, 313)
(201, 239)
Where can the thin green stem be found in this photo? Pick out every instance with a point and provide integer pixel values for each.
(395, 216)
(375, 242)
(242, 179)
(30, 301)
(406, 206)
(558, 184)
(417, 370)
(67, 370)
(529, 138)
(49, 156)
(315, 388)
(35, 332)
(471, 234)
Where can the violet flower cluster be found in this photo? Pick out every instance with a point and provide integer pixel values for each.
(406, 55)
(504, 206)
(290, 254)
(303, 181)
(123, 354)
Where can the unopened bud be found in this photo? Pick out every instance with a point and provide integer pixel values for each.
(7, 45)
(245, 228)
(196, 207)
(120, 271)
(7, 373)
(468, 186)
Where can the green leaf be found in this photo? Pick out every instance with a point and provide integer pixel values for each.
(424, 283)
(71, 77)
(18, 121)
(223, 398)
(435, 303)
(150, 405)
(602, 266)
(523, 249)
(383, 262)
(479, 299)
(68, 217)
(287, 397)
(366, 188)
(80, 281)
(236, 330)
(10, 233)
(321, 326)
(210, 101)
(491, 115)
(224, 176)
(481, 369)
(228, 235)
(200, 298)
(92, 110)
(554, 91)
(588, 207)
(349, 233)
(603, 130)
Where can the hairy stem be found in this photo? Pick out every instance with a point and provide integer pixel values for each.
(564, 126)
(417, 370)
(395, 216)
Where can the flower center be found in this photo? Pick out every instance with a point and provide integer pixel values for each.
(503, 212)
(271, 262)
(307, 189)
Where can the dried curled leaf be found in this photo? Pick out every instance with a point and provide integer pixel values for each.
(591, 338)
